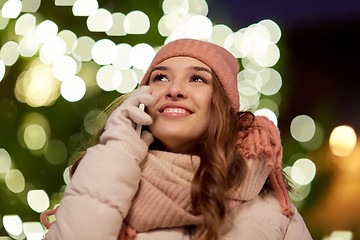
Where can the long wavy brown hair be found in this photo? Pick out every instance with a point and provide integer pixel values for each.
(221, 168)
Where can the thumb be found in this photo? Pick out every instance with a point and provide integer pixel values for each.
(147, 137)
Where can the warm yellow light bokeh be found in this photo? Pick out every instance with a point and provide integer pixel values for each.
(342, 140)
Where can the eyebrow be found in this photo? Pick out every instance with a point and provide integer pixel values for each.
(163, 68)
(202, 69)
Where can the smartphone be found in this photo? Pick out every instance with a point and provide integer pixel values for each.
(138, 127)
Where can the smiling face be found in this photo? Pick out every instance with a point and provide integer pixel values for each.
(183, 88)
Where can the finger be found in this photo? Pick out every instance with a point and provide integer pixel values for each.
(139, 116)
(136, 98)
(147, 137)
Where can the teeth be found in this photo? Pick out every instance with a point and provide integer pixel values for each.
(175, 110)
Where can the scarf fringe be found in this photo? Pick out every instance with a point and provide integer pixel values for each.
(262, 138)
(44, 217)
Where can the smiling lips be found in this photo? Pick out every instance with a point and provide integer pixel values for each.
(174, 110)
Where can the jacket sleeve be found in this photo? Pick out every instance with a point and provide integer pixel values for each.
(99, 195)
(297, 228)
(261, 218)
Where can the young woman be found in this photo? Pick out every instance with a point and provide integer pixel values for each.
(211, 172)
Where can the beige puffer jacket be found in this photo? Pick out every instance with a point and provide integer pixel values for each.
(100, 194)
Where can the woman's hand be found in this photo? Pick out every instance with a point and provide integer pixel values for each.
(120, 126)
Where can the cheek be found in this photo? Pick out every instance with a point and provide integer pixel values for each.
(205, 102)
(156, 93)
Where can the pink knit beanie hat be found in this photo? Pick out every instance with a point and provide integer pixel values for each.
(221, 62)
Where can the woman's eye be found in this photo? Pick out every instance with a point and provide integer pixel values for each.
(197, 78)
(160, 78)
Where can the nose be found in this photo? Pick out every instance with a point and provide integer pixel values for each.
(176, 90)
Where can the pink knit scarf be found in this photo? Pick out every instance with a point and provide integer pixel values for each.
(163, 199)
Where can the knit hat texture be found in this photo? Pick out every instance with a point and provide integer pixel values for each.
(222, 63)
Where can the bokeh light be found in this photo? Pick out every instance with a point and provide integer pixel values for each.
(9, 53)
(13, 224)
(302, 128)
(267, 113)
(268, 81)
(342, 140)
(316, 141)
(73, 89)
(198, 7)
(38, 200)
(52, 49)
(168, 23)
(175, 6)
(64, 2)
(25, 24)
(199, 27)
(122, 60)
(33, 230)
(266, 53)
(30, 5)
(83, 48)
(141, 55)
(340, 235)
(136, 22)
(85, 7)
(2, 70)
(5, 161)
(64, 67)
(117, 27)
(35, 137)
(37, 86)
(129, 81)
(220, 33)
(101, 21)
(269, 104)
(303, 171)
(45, 31)
(108, 78)
(11, 9)
(70, 40)
(14, 180)
(104, 52)
(66, 175)
(273, 28)
(3, 21)
(28, 46)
